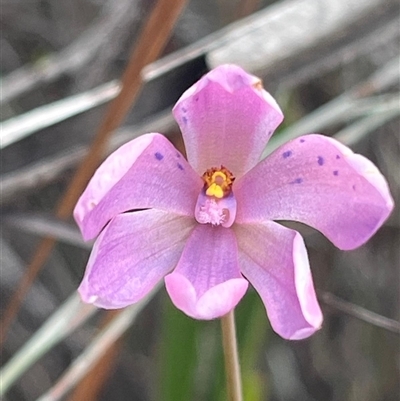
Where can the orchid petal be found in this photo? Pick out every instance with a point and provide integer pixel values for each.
(207, 282)
(320, 182)
(147, 172)
(226, 118)
(133, 252)
(274, 259)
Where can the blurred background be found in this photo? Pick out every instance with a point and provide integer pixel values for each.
(334, 68)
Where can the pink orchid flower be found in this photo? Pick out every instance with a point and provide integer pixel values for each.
(208, 224)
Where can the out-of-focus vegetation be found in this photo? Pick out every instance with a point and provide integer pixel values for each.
(345, 84)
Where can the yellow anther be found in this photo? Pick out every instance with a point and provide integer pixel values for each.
(218, 182)
(215, 190)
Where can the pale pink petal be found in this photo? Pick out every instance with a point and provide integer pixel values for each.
(207, 282)
(226, 119)
(317, 181)
(133, 252)
(147, 172)
(274, 259)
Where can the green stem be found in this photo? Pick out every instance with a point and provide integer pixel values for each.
(233, 379)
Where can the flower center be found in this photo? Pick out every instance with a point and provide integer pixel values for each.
(216, 204)
(218, 182)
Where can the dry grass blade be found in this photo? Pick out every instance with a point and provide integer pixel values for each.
(152, 40)
(91, 385)
(354, 132)
(340, 107)
(287, 28)
(38, 260)
(67, 318)
(73, 57)
(97, 348)
(43, 225)
(26, 124)
(360, 313)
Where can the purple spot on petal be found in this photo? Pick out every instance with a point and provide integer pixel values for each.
(287, 154)
(159, 156)
(336, 172)
(302, 140)
(321, 160)
(196, 98)
(337, 157)
(178, 154)
(180, 166)
(354, 187)
(296, 181)
(184, 110)
(184, 119)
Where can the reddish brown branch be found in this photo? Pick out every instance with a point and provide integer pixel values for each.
(152, 40)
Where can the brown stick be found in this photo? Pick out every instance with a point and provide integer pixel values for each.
(152, 40)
